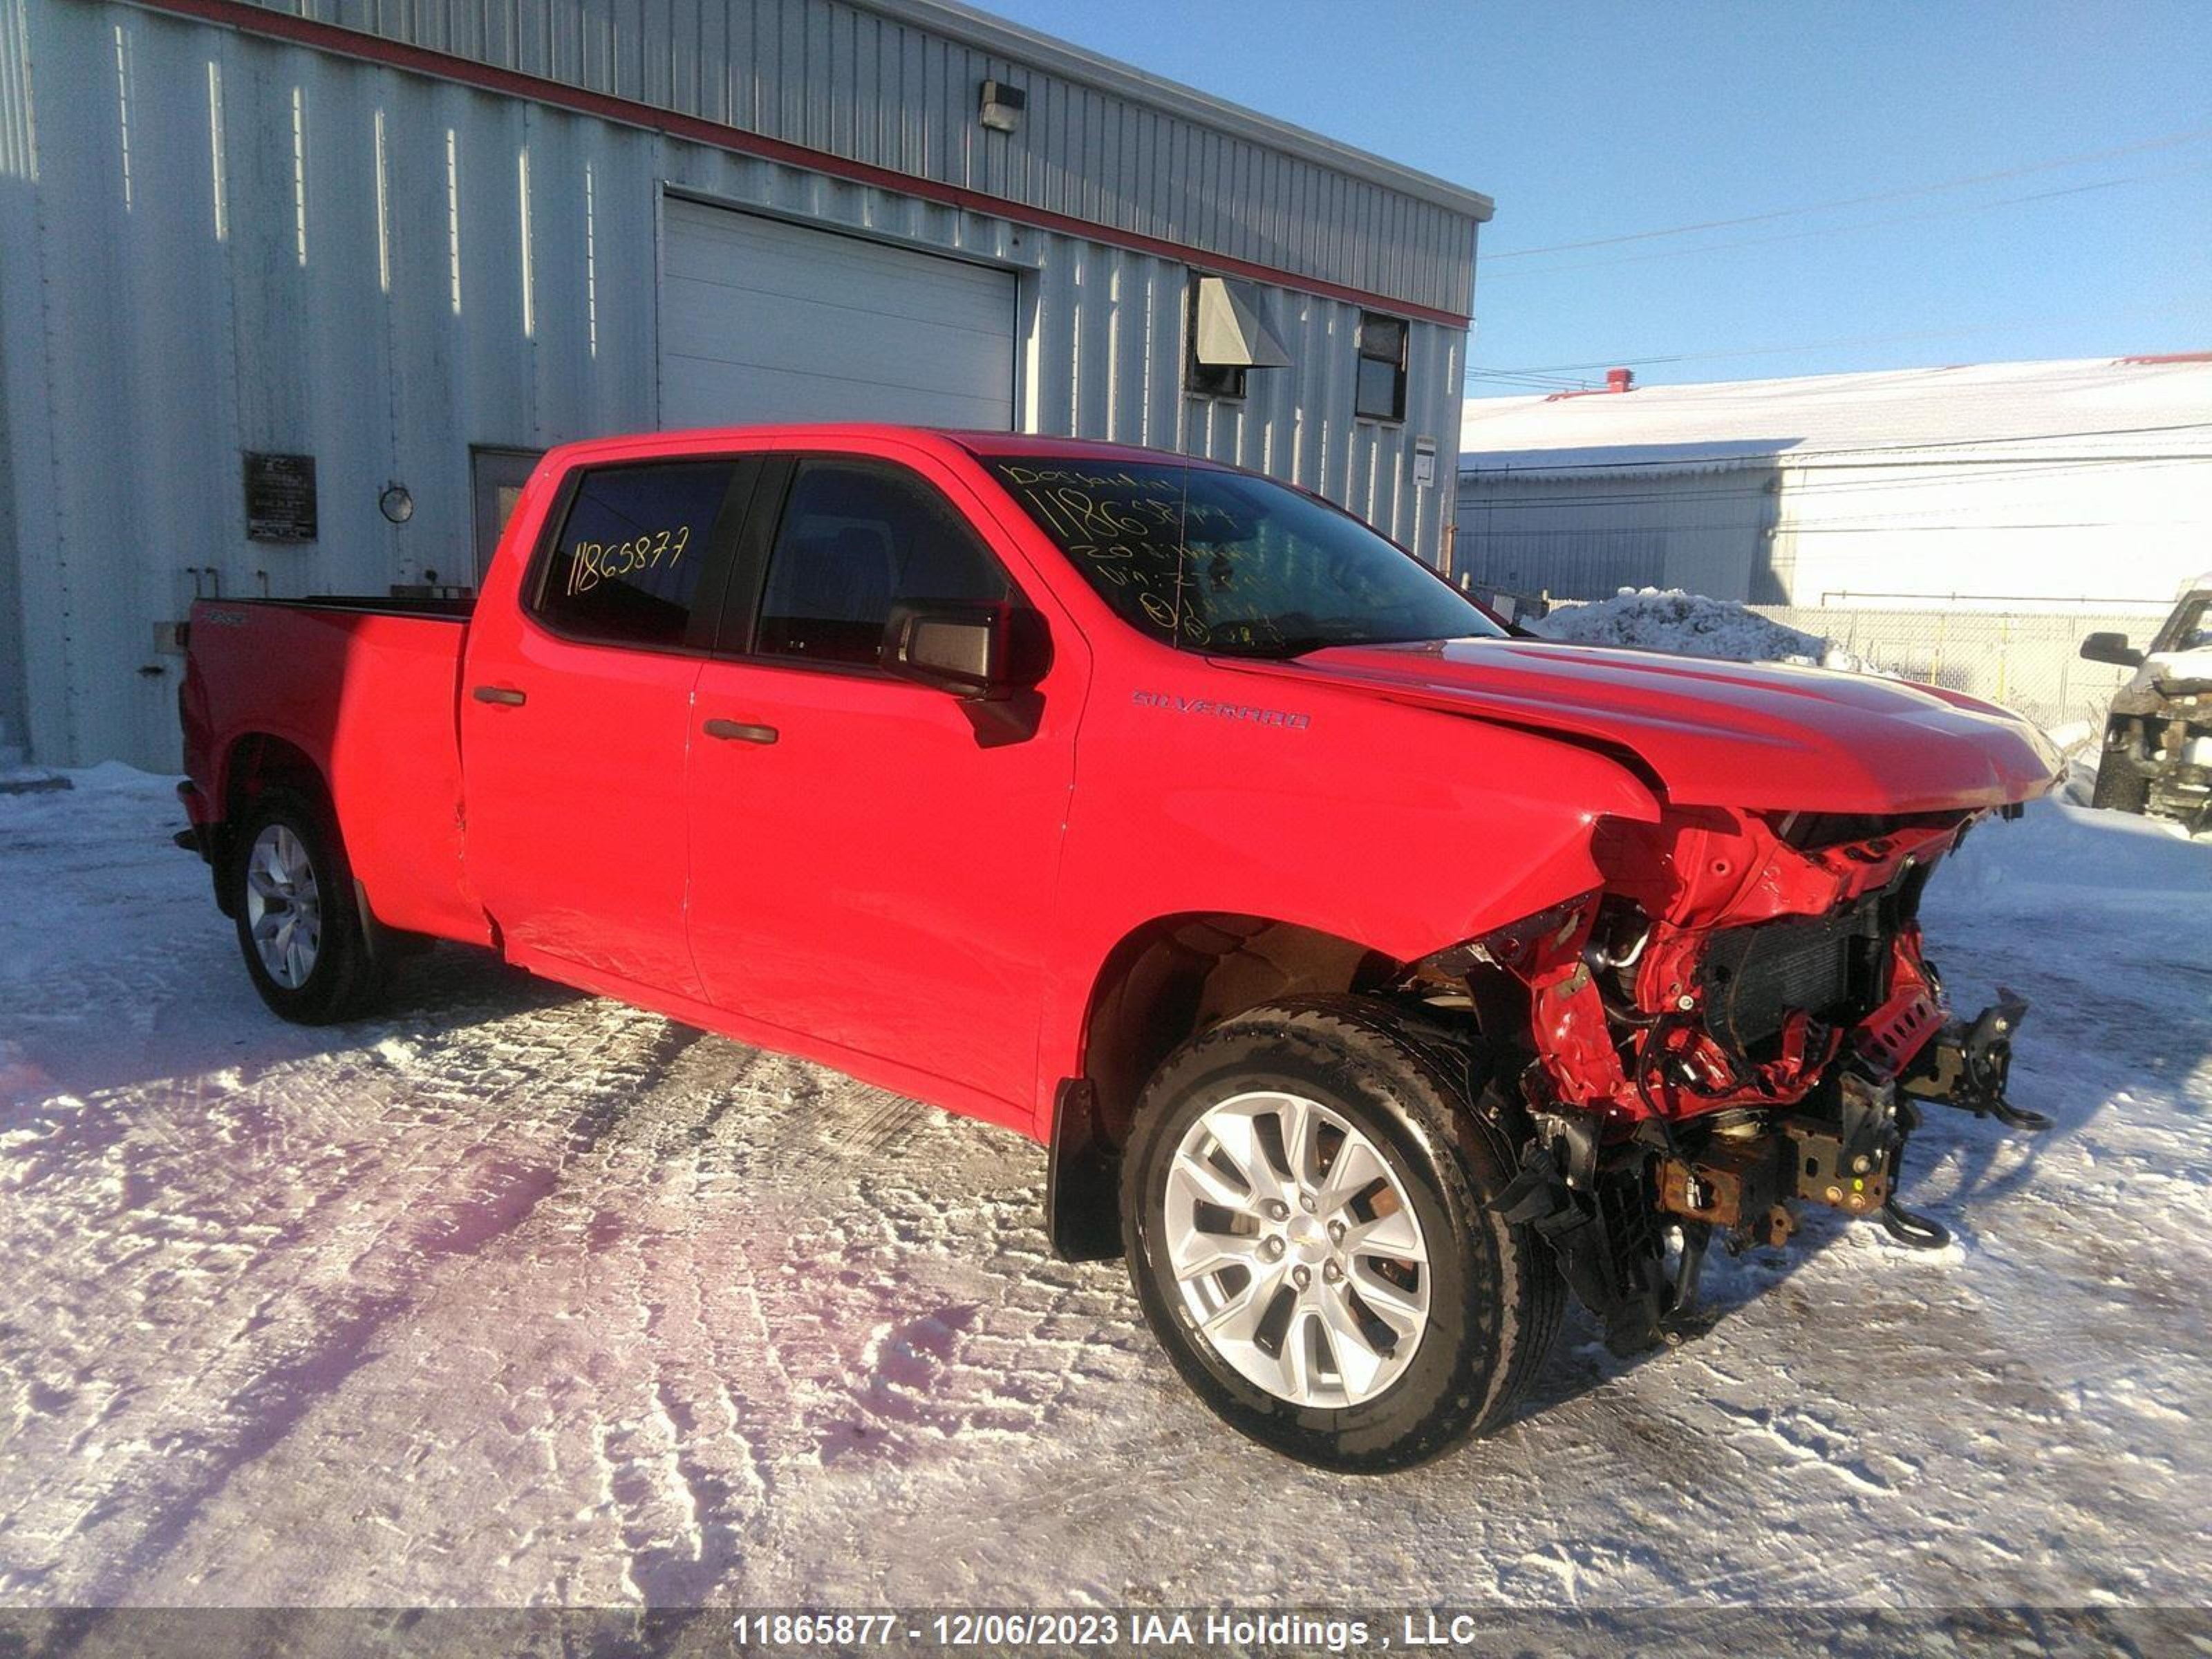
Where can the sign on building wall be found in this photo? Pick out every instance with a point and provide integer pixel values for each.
(280, 497)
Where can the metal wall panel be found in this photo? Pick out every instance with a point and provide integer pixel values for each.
(310, 253)
(896, 86)
(25, 460)
(1805, 531)
(1586, 539)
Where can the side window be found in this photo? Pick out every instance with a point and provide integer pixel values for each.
(1379, 394)
(626, 570)
(857, 538)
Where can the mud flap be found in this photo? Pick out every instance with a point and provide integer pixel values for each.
(1083, 1180)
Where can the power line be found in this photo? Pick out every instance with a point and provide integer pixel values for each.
(1872, 525)
(1535, 382)
(2167, 141)
(1548, 371)
(1678, 461)
(1539, 375)
(1750, 481)
(1863, 224)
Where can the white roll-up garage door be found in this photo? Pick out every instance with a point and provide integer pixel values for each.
(764, 320)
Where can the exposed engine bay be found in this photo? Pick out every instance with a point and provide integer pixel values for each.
(1740, 1022)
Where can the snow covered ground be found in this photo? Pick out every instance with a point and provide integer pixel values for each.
(517, 1295)
(1667, 619)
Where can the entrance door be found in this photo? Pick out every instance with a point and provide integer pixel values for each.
(496, 479)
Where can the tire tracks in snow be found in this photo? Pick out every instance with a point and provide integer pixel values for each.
(298, 1343)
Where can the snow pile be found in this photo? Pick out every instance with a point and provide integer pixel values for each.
(1672, 620)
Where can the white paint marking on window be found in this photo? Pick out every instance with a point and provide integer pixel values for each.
(215, 151)
(300, 172)
(529, 299)
(453, 213)
(383, 211)
(591, 266)
(123, 109)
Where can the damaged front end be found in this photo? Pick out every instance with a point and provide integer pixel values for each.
(1738, 1023)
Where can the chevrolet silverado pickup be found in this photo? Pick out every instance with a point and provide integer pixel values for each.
(1373, 976)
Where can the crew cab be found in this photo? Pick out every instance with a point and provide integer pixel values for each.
(1371, 974)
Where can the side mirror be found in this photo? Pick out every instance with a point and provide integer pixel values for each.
(2112, 648)
(982, 653)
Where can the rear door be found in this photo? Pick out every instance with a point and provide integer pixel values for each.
(872, 860)
(575, 718)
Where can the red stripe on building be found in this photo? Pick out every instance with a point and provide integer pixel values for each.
(352, 43)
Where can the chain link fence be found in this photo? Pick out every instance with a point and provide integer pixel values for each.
(2028, 661)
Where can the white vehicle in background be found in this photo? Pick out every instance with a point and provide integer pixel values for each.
(2157, 756)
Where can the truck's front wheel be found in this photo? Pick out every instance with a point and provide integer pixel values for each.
(1303, 1203)
(299, 925)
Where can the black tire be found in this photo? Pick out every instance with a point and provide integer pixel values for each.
(2120, 787)
(1495, 1292)
(343, 980)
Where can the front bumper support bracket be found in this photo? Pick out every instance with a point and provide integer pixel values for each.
(1967, 1063)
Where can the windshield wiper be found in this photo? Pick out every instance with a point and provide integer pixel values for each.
(1298, 645)
(1275, 650)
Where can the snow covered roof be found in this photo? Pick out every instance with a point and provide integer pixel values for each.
(2089, 407)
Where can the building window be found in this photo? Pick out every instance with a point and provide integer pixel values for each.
(1380, 394)
(626, 570)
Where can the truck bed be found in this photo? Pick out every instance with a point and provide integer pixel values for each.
(368, 690)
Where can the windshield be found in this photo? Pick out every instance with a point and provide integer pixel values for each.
(2190, 627)
(1222, 561)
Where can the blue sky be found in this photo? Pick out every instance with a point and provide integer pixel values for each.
(1589, 120)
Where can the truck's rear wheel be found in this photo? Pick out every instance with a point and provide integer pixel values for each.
(1304, 1204)
(299, 925)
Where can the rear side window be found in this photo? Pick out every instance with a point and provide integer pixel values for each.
(857, 538)
(626, 570)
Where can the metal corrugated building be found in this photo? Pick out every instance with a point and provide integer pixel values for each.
(2082, 483)
(421, 242)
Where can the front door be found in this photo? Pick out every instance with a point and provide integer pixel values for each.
(872, 861)
(575, 723)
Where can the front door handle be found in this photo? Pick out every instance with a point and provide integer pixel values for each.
(738, 731)
(505, 695)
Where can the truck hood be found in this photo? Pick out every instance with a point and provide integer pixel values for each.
(2163, 672)
(1764, 736)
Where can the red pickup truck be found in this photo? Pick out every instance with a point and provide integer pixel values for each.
(1373, 975)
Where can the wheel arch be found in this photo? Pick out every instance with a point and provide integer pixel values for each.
(255, 764)
(252, 764)
(258, 762)
(1165, 981)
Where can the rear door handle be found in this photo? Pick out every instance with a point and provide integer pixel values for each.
(505, 695)
(738, 731)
